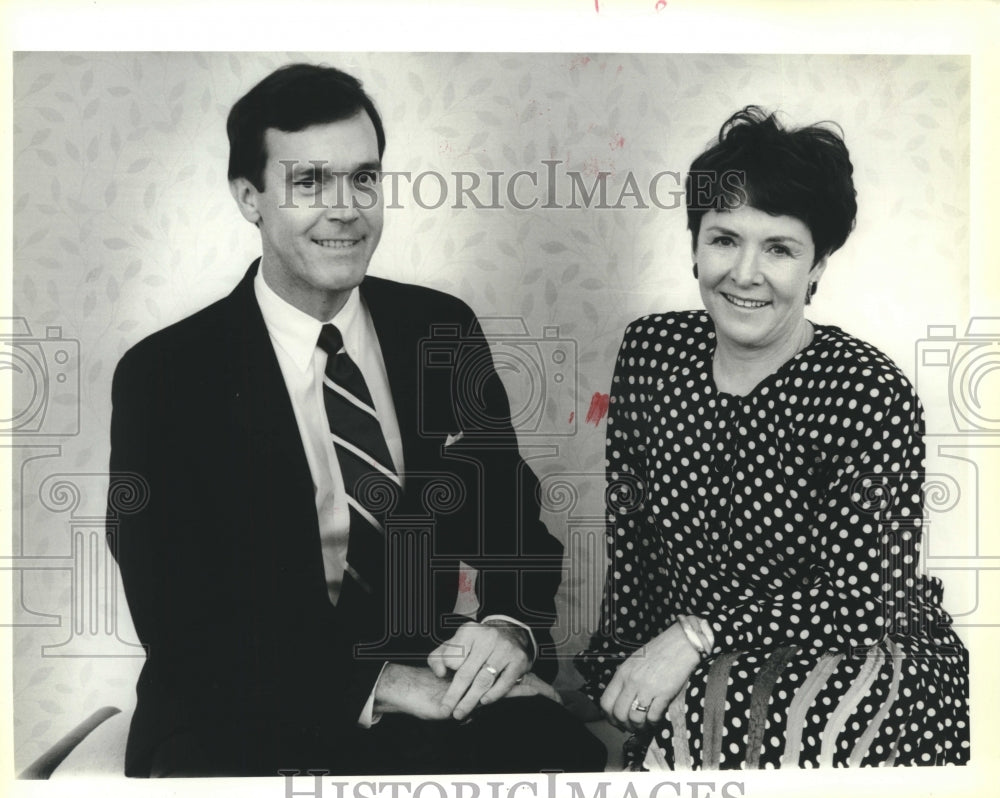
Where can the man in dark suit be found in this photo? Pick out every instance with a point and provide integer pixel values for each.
(312, 486)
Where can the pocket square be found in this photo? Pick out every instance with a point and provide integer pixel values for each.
(451, 439)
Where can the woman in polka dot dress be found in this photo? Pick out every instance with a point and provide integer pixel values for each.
(765, 605)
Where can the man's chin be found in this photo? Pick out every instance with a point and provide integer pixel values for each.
(339, 274)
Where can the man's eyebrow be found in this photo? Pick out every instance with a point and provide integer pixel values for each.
(318, 167)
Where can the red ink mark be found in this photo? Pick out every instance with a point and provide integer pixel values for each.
(598, 408)
(597, 6)
(592, 167)
(661, 4)
(580, 61)
(464, 581)
(617, 143)
(572, 415)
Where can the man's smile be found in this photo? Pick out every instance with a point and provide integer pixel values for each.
(338, 243)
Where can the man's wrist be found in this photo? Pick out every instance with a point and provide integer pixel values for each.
(386, 689)
(369, 714)
(520, 632)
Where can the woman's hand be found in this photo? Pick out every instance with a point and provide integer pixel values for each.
(651, 676)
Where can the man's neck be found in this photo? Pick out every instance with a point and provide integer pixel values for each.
(321, 305)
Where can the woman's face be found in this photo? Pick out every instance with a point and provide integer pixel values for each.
(753, 271)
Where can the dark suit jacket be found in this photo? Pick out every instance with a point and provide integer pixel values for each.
(220, 550)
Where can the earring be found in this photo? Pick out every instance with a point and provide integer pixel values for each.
(694, 270)
(811, 292)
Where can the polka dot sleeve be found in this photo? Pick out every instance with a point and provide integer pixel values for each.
(620, 632)
(857, 575)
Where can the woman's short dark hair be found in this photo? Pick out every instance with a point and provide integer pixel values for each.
(805, 173)
(292, 98)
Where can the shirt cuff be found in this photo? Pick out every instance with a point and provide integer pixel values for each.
(516, 622)
(368, 718)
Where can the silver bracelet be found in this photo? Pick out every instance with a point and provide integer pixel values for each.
(692, 636)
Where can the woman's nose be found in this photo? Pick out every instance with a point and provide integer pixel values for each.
(746, 269)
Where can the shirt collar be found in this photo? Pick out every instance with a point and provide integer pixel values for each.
(296, 332)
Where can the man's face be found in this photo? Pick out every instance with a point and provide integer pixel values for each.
(320, 213)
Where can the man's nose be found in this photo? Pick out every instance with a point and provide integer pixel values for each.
(342, 201)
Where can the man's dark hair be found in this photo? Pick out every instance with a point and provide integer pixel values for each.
(805, 173)
(292, 98)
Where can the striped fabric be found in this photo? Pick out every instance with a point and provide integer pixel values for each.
(715, 709)
(759, 700)
(803, 700)
(865, 741)
(370, 478)
(677, 714)
(827, 689)
(838, 719)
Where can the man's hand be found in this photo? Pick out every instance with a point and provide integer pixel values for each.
(410, 690)
(651, 676)
(488, 660)
(533, 685)
(416, 691)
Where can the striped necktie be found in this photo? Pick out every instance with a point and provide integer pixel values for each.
(370, 478)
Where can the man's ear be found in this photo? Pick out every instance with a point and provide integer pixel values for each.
(247, 198)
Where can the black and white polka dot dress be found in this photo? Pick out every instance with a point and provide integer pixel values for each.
(790, 519)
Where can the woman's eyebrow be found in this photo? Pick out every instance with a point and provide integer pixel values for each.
(724, 230)
(714, 228)
(783, 240)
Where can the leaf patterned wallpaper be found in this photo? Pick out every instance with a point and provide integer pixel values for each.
(123, 223)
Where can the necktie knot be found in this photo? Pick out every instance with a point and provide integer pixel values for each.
(330, 340)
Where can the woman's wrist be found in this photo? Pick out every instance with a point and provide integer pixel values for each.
(698, 633)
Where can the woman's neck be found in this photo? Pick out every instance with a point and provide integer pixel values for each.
(738, 370)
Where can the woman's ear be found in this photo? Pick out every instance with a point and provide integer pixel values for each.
(247, 197)
(817, 270)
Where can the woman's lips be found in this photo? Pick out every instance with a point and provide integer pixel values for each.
(745, 304)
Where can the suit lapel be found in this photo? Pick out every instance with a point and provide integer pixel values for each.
(262, 395)
(263, 412)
